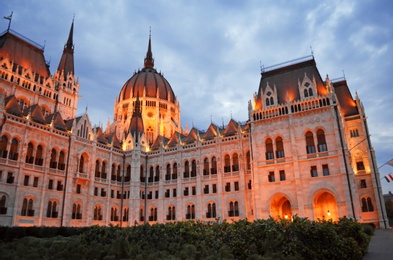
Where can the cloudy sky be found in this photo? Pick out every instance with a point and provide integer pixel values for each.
(211, 51)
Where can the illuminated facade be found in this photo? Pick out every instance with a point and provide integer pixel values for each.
(304, 150)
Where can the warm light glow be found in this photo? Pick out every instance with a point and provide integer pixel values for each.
(286, 216)
(328, 213)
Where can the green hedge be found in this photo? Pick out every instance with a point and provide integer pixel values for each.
(261, 239)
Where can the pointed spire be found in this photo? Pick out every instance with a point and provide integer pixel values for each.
(66, 65)
(136, 124)
(149, 61)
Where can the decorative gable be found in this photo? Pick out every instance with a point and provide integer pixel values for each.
(269, 97)
(307, 88)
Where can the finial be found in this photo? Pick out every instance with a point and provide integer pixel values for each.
(43, 47)
(211, 119)
(73, 18)
(9, 18)
(312, 52)
(343, 74)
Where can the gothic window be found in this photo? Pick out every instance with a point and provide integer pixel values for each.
(14, 150)
(103, 170)
(3, 146)
(97, 169)
(30, 153)
(3, 208)
(367, 205)
(171, 213)
(174, 174)
(269, 149)
(206, 166)
(279, 148)
(322, 147)
(82, 164)
(61, 165)
(168, 172)
(51, 211)
(53, 158)
(114, 216)
(153, 214)
(211, 210)
(39, 156)
(27, 207)
(233, 209)
(118, 174)
(305, 93)
(113, 172)
(190, 211)
(141, 215)
(248, 160)
(235, 162)
(149, 133)
(186, 169)
(97, 212)
(214, 166)
(363, 184)
(128, 174)
(227, 163)
(310, 143)
(157, 176)
(193, 168)
(125, 214)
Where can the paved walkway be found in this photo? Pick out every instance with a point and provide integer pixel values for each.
(381, 245)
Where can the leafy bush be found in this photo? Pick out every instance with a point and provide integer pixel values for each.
(261, 239)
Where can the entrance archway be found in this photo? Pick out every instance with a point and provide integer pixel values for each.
(325, 206)
(280, 207)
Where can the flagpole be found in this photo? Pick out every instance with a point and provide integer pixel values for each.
(384, 164)
(9, 18)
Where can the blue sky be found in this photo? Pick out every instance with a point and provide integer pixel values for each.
(211, 51)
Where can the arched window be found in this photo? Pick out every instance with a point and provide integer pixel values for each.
(118, 174)
(193, 168)
(114, 216)
(39, 156)
(141, 215)
(30, 153)
(3, 147)
(367, 205)
(97, 169)
(269, 149)
(305, 93)
(61, 165)
(211, 210)
(113, 172)
(51, 211)
(3, 208)
(171, 213)
(14, 150)
(125, 214)
(151, 174)
(279, 148)
(235, 162)
(248, 160)
(174, 174)
(190, 211)
(227, 163)
(186, 173)
(267, 102)
(233, 209)
(103, 170)
(81, 164)
(27, 207)
(310, 147)
(76, 211)
(53, 158)
(271, 101)
(142, 174)
(157, 176)
(206, 166)
(322, 147)
(97, 212)
(214, 166)
(153, 214)
(128, 174)
(310, 93)
(168, 172)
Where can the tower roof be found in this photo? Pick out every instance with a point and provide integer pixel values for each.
(66, 63)
(136, 125)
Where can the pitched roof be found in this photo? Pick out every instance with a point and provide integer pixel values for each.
(231, 128)
(347, 103)
(66, 64)
(12, 106)
(22, 52)
(192, 136)
(58, 121)
(211, 132)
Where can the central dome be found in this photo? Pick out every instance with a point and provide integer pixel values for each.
(147, 83)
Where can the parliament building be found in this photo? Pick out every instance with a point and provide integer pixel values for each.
(304, 149)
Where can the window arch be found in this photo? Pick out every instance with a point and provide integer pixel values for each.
(171, 213)
(233, 209)
(168, 172)
(305, 93)
(151, 174)
(103, 170)
(14, 149)
(211, 210)
(53, 159)
(235, 162)
(190, 211)
(227, 163)
(214, 165)
(61, 165)
(322, 147)
(114, 216)
(128, 174)
(27, 207)
(193, 168)
(51, 211)
(367, 205)
(174, 174)
(157, 175)
(125, 213)
(279, 148)
(248, 160)
(113, 172)
(76, 211)
(118, 174)
(186, 173)
(39, 156)
(142, 174)
(30, 153)
(97, 212)
(310, 146)
(153, 214)
(269, 149)
(82, 163)
(97, 169)
(3, 204)
(3, 146)
(206, 166)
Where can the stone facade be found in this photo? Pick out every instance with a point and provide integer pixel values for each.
(304, 150)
